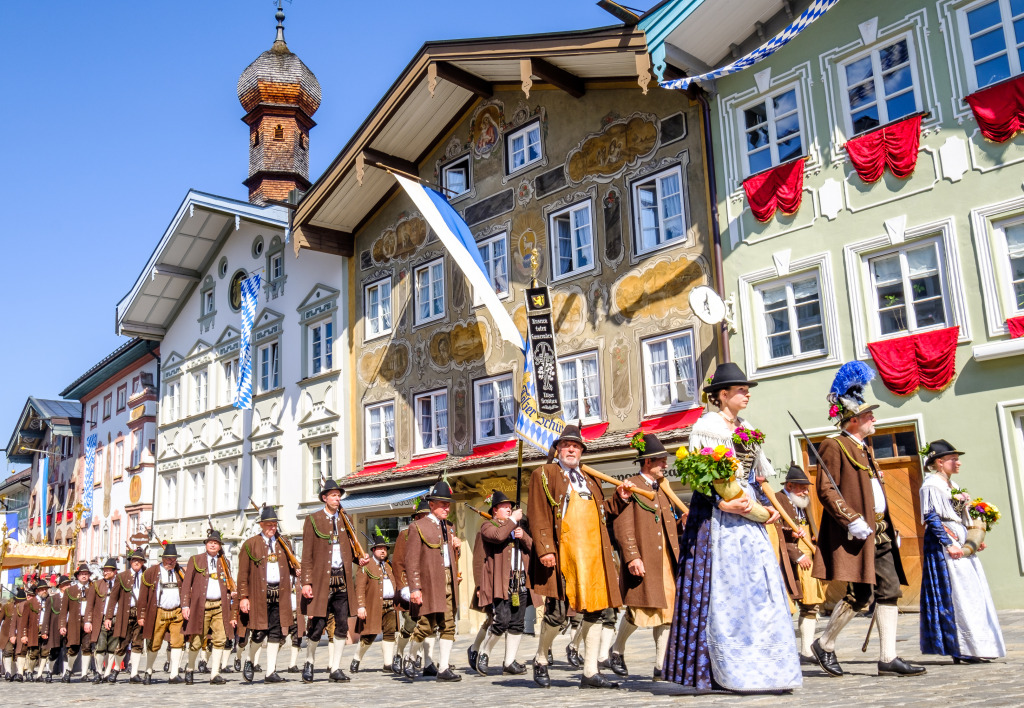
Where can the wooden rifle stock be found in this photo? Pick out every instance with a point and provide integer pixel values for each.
(802, 542)
(289, 556)
(357, 548)
(479, 511)
(222, 561)
(611, 480)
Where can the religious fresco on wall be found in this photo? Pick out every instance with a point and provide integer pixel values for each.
(459, 412)
(527, 234)
(463, 343)
(622, 363)
(400, 240)
(657, 290)
(621, 143)
(486, 128)
(390, 362)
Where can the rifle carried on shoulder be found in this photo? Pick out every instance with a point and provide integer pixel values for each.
(223, 562)
(357, 548)
(289, 556)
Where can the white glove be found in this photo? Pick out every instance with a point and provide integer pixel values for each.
(859, 529)
(404, 592)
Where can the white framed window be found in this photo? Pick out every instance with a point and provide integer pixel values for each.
(270, 367)
(908, 289)
(495, 409)
(276, 266)
(494, 253)
(670, 378)
(321, 344)
(880, 86)
(523, 147)
(992, 40)
(572, 240)
(581, 388)
(658, 209)
(107, 404)
(173, 401)
(228, 496)
(456, 178)
(380, 431)
(200, 380)
(377, 306)
(229, 369)
(266, 483)
(790, 313)
(169, 495)
(429, 284)
(94, 415)
(999, 250)
(208, 302)
(431, 410)
(118, 459)
(772, 130)
(1011, 242)
(321, 464)
(196, 492)
(122, 397)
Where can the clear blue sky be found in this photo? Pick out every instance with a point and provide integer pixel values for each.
(112, 110)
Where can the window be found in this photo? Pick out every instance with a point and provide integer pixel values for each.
(380, 431)
(793, 325)
(573, 246)
(320, 347)
(169, 496)
(122, 397)
(196, 493)
(377, 303)
(276, 266)
(581, 388)
(993, 40)
(908, 290)
(173, 401)
(772, 131)
(322, 464)
(136, 385)
(228, 485)
(118, 459)
(523, 147)
(658, 205)
(494, 253)
(270, 363)
(495, 409)
(880, 87)
(199, 391)
(266, 485)
(455, 178)
(431, 421)
(230, 369)
(107, 401)
(670, 380)
(208, 302)
(429, 281)
(1013, 239)
(115, 533)
(94, 415)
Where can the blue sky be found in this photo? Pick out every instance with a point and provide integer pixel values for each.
(113, 110)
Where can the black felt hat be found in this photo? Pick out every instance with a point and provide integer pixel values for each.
(170, 551)
(137, 554)
(40, 585)
(379, 539)
(19, 594)
(796, 475)
(63, 580)
(571, 433)
(498, 497)
(83, 568)
(110, 564)
(330, 486)
(213, 535)
(441, 491)
(648, 447)
(419, 506)
(726, 375)
(268, 514)
(940, 448)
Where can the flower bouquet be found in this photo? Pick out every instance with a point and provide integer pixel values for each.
(960, 497)
(715, 467)
(984, 516)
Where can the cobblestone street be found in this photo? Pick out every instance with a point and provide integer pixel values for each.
(997, 684)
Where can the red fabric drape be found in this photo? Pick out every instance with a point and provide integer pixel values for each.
(894, 146)
(781, 187)
(999, 109)
(672, 421)
(1016, 326)
(918, 360)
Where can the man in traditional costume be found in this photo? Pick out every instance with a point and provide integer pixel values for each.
(408, 622)
(9, 631)
(858, 543)
(160, 607)
(206, 607)
(572, 563)
(32, 630)
(124, 612)
(72, 621)
(376, 612)
(99, 598)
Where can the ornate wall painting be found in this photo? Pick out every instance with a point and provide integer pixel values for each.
(400, 240)
(390, 362)
(486, 128)
(459, 345)
(524, 192)
(622, 143)
(527, 234)
(611, 206)
(600, 303)
(623, 359)
(657, 290)
(568, 311)
(459, 411)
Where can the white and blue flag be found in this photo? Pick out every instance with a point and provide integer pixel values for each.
(90, 475)
(457, 238)
(250, 294)
(539, 430)
(44, 486)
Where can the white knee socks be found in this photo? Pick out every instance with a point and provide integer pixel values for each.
(216, 657)
(446, 653)
(273, 648)
(429, 644)
(841, 616)
(136, 662)
(193, 656)
(626, 628)
(885, 618)
(607, 635)
(547, 638)
(481, 635)
(591, 647)
(339, 652)
(806, 627)
(389, 652)
(511, 647)
(489, 643)
(660, 645)
(311, 646)
(295, 656)
(175, 661)
(251, 653)
(361, 651)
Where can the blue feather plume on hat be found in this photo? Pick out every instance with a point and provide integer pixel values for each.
(850, 381)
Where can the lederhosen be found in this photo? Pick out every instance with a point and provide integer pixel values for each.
(273, 632)
(337, 601)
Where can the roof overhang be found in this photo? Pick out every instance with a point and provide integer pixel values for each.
(61, 417)
(196, 233)
(435, 91)
(120, 359)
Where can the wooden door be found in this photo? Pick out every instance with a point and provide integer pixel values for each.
(895, 450)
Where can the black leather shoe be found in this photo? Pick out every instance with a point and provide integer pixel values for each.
(135, 679)
(618, 663)
(258, 669)
(573, 657)
(47, 677)
(189, 677)
(409, 669)
(473, 654)
(238, 664)
(227, 670)
(294, 670)
(658, 675)
(307, 673)
(430, 670)
(113, 677)
(513, 669)
(968, 660)
(247, 672)
(167, 667)
(274, 678)
(202, 668)
(899, 667)
(826, 660)
(540, 675)
(66, 678)
(147, 679)
(551, 658)
(19, 678)
(339, 676)
(597, 681)
(448, 675)
(354, 666)
(218, 680)
(396, 665)
(176, 680)
(419, 663)
(482, 664)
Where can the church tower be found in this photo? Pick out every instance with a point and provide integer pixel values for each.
(280, 95)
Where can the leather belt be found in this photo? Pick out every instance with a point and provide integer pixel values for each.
(338, 580)
(273, 593)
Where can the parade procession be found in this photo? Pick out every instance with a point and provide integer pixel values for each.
(670, 360)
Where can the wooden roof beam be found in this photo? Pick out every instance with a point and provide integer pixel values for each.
(177, 272)
(548, 72)
(142, 330)
(383, 161)
(458, 76)
(324, 240)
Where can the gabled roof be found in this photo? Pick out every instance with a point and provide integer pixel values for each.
(62, 417)
(199, 228)
(118, 360)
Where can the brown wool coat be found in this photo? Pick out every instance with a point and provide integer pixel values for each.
(790, 551)
(94, 600)
(71, 614)
(424, 565)
(193, 595)
(638, 535)
(53, 608)
(840, 557)
(495, 542)
(8, 624)
(316, 563)
(252, 584)
(148, 601)
(370, 594)
(28, 623)
(398, 565)
(545, 528)
(123, 586)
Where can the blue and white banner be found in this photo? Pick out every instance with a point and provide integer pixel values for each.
(816, 10)
(457, 238)
(250, 294)
(90, 475)
(538, 430)
(44, 485)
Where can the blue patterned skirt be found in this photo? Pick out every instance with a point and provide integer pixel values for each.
(938, 622)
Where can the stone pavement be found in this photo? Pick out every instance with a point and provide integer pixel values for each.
(997, 684)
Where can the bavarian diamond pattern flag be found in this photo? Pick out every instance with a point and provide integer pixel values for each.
(534, 428)
(250, 294)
